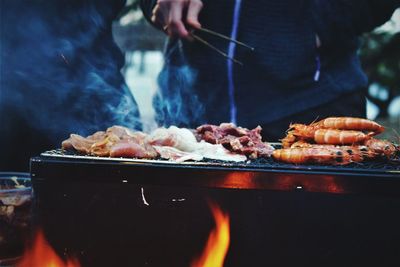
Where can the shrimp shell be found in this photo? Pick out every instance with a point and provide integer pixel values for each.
(350, 123)
(356, 153)
(312, 155)
(339, 137)
(326, 136)
(381, 147)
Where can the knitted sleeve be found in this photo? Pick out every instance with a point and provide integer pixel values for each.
(337, 20)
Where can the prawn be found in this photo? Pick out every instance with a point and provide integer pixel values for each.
(288, 140)
(303, 155)
(350, 123)
(356, 153)
(381, 147)
(328, 136)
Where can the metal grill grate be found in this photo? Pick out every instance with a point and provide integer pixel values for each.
(371, 167)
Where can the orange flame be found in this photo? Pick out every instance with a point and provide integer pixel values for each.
(218, 241)
(42, 255)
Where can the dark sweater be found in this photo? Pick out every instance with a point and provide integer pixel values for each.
(279, 78)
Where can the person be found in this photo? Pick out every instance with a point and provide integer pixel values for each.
(304, 67)
(60, 74)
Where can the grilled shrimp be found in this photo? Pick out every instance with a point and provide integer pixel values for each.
(328, 136)
(350, 123)
(300, 143)
(339, 137)
(370, 149)
(303, 131)
(312, 155)
(357, 153)
(334, 140)
(381, 147)
(288, 140)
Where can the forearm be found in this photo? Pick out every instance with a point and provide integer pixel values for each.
(337, 20)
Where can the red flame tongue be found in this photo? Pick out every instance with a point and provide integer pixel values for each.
(218, 241)
(42, 255)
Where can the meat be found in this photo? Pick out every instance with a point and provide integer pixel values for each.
(128, 148)
(172, 153)
(131, 144)
(236, 139)
(184, 140)
(218, 152)
(83, 144)
(180, 138)
(102, 148)
(121, 132)
(173, 143)
(116, 141)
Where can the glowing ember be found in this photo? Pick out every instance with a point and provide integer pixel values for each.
(42, 255)
(218, 242)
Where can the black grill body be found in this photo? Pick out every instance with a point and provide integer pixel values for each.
(119, 212)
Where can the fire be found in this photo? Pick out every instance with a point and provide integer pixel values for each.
(218, 241)
(42, 255)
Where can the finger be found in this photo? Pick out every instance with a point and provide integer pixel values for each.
(155, 13)
(193, 11)
(176, 28)
(157, 17)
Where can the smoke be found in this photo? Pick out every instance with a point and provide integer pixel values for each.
(60, 69)
(177, 102)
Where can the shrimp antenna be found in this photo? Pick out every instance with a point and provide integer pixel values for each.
(356, 163)
(397, 146)
(397, 135)
(314, 121)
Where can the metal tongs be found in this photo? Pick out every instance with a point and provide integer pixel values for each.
(201, 40)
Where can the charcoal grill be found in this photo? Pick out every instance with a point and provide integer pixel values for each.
(265, 173)
(130, 212)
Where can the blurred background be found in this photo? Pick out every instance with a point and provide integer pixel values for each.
(380, 55)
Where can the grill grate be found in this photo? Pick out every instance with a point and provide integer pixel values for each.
(376, 166)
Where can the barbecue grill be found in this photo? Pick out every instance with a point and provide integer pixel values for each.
(131, 212)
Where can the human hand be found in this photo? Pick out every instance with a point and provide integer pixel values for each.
(176, 17)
